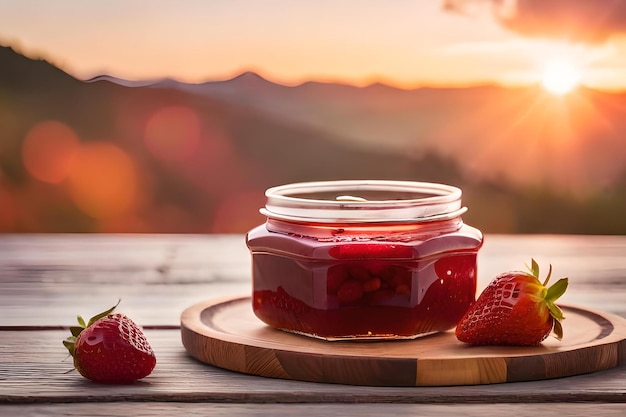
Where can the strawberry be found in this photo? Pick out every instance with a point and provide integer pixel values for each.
(514, 309)
(110, 348)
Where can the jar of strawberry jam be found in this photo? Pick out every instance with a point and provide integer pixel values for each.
(353, 260)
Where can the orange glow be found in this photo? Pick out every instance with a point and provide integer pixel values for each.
(103, 180)
(48, 149)
(233, 215)
(536, 136)
(8, 211)
(172, 218)
(173, 133)
(213, 161)
(123, 224)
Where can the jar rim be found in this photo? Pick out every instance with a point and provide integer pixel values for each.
(395, 201)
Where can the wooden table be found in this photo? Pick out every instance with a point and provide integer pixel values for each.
(45, 280)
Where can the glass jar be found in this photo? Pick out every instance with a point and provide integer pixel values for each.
(346, 260)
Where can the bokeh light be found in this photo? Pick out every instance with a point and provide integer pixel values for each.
(48, 149)
(213, 162)
(103, 180)
(173, 133)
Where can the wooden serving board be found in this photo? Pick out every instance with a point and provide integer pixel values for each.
(226, 333)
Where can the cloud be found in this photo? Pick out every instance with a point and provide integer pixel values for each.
(587, 21)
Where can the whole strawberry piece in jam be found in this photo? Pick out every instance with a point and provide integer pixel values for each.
(514, 309)
(110, 348)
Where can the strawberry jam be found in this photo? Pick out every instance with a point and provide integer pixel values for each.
(342, 272)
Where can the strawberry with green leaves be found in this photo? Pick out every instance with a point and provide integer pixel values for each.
(515, 309)
(110, 348)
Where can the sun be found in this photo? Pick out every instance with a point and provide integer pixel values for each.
(560, 77)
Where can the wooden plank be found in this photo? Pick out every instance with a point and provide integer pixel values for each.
(591, 260)
(33, 366)
(57, 304)
(118, 409)
(125, 259)
(47, 279)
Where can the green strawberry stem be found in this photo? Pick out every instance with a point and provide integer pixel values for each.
(557, 290)
(550, 295)
(534, 268)
(545, 283)
(76, 330)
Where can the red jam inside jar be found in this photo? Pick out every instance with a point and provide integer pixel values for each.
(353, 260)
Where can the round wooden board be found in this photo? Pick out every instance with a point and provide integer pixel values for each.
(226, 333)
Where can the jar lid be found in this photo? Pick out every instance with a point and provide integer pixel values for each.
(363, 201)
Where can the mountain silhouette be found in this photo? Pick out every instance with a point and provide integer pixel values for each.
(23, 74)
(198, 157)
(526, 134)
(253, 151)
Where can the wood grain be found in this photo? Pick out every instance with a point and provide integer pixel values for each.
(224, 332)
(45, 280)
(142, 409)
(34, 365)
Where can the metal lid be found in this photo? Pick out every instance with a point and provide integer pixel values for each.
(363, 201)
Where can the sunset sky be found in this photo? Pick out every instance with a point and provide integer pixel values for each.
(401, 42)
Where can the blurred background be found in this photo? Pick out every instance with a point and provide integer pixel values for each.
(174, 117)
